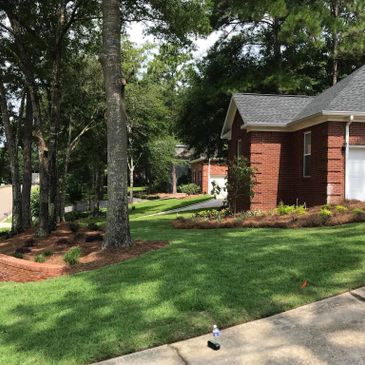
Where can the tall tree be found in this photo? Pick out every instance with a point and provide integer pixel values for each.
(14, 161)
(118, 233)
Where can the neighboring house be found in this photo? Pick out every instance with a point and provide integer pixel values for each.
(35, 178)
(304, 149)
(205, 171)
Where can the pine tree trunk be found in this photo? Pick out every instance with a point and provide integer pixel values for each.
(14, 162)
(335, 43)
(118, 233)
(55, 122)
(27, 162)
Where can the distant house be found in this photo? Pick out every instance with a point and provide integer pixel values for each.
(304, 149)
(205, 171)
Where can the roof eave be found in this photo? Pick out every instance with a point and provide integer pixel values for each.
(231, 112)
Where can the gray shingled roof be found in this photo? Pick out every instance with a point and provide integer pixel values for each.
(347, 95)
(256, 109)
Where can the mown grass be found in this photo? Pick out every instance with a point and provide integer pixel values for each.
(225, 276)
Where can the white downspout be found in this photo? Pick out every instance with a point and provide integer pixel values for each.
(347, 141)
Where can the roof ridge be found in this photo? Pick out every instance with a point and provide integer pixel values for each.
(280, 95)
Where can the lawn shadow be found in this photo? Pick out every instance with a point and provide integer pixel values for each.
(221, 276)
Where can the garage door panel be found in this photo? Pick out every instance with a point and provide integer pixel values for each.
(220, 180)
(356, 174)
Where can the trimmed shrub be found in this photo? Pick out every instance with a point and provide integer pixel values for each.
(190, 189)
(325, 213)
(74, 227)
(341, 209)
(40, 258)
(72, 256)
(358, 211)
(283, 209)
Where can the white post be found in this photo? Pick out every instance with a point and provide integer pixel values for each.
(208, 176)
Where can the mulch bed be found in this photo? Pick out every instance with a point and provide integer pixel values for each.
(61, 240)
(311, 218)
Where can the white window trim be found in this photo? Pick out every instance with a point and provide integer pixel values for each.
(306, 154)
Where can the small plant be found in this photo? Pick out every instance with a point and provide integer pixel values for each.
(190, 189)
(72, 256)
(93, 226)
(284, 209)
(74, 227)
(18, 255)
(300, 210)
(48, 253)
(40, 258)
(341, 209)
(325, 213)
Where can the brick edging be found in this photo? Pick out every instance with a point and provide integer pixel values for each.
(19, 270)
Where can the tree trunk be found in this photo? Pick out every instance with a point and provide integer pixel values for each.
(118, 233)
(97, 190)
(55, 121)
(27, 162)
(131, 179)
(335, 42)
(174, 179)
(16, 222)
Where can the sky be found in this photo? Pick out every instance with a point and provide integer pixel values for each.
(135, 32)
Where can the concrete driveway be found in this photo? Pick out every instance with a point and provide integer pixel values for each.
(5, 202)
(328, 332)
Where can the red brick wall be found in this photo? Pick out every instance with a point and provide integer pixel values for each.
(278, 159)
(357, 133)
(203, 167)
(309, 190)
(269, 156)
(12, 269)
(335, 162)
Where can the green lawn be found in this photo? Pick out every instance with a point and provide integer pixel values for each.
(225, 276)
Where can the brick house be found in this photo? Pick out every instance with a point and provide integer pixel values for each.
(304, 149)
(205, 171)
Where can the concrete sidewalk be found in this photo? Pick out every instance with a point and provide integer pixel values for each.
(328, 332)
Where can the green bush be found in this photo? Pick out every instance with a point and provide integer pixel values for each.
(190, 189)
(300, 210)
(72, 256)
(341, 209)
(93, 226)
(358, 211)
(40, 258)
(284, 209)
(325, 213)
(212, 214)
(34, 202)
(74, 227)
(48, 253)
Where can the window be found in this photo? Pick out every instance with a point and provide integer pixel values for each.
(307, 152)
(239, 148)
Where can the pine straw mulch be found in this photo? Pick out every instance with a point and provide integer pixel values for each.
(61, 240)
(311, 218)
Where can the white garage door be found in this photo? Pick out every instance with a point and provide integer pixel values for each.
(356, 174)
(220, 180)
